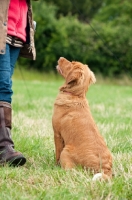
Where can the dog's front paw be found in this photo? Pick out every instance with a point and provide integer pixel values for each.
(57, 162)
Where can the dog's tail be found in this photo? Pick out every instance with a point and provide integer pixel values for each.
(101, 177)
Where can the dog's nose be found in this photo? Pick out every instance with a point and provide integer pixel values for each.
(61, 58)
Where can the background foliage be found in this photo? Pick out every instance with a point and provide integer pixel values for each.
(96, 33)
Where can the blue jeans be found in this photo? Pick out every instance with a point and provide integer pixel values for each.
(7, 64)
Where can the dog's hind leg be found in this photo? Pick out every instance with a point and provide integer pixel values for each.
(65, 160)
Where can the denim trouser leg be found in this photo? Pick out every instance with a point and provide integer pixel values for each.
(7, 64)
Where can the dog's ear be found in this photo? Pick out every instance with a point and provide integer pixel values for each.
(92, 78)
(73, 78)
(74, 75)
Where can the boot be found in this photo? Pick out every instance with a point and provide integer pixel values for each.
(7, 152)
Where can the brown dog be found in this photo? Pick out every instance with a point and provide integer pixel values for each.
(77, 138)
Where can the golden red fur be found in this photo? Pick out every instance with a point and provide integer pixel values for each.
(77, 138)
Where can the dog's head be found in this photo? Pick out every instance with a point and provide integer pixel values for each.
(78, 76)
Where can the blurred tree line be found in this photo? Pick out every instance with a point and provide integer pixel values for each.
(97, 33)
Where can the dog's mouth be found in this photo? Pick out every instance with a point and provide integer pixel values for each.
(59, 69)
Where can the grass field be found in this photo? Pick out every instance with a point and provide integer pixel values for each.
(39, 178)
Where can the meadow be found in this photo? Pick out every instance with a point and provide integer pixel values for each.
(40, 179)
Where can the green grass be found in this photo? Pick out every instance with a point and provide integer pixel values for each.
(40, 178)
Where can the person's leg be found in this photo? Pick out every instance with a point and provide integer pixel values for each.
(5, 73)
(7, 152)
(14, 53)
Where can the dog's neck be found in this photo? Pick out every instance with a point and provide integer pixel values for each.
(68, 92)
(65, 90)
(72, 94)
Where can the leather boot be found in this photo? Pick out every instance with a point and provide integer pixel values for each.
(7, 152)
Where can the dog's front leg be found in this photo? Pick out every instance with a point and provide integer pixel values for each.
(59, 145)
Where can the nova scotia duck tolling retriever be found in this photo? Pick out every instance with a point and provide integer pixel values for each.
(76, 136)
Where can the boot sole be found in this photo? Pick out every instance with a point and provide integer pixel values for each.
(17, 161)
(14, 162)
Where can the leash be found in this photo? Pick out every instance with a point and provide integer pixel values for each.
(27, 90)
(104, 43)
